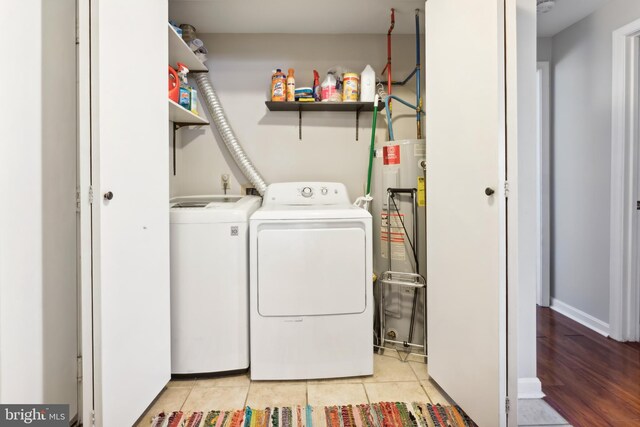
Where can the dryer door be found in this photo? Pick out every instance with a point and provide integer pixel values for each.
(308, 268)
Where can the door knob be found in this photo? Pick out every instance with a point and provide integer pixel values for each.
(489, 191)
(108, 195)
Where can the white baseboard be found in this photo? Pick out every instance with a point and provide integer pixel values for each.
(530, 388)
(581, 317)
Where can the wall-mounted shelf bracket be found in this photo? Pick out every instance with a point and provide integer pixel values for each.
(323, 106)
(176, 126)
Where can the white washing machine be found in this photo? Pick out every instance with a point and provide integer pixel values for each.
(209, 283)
(311, 286)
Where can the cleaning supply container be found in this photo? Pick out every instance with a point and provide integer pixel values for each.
(194, 101)
(291, 86)
(174, 85)
(188, 33)
(367, 84)
(350, 86)
(316, 86)
(328, 88)
(184, 97)
(278, 86)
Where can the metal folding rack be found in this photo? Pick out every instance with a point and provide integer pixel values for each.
(408, 280)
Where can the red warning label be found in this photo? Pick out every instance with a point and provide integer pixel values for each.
(397, 246)
(391, 154)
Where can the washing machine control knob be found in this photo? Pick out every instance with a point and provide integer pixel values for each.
(307, 192)
(324, 191)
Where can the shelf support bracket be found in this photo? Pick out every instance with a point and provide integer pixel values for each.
(357, 122)
(176, 126)
(300, 123)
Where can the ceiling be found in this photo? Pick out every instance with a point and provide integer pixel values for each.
(564, 14)
(297, 16)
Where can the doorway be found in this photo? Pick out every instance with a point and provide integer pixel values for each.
(543, 220)
(624, 308)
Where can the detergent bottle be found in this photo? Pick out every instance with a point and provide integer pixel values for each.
(316, 85)
(174, 85)
(328, 88)
(291, 86)
(185, 90)
(278, 86)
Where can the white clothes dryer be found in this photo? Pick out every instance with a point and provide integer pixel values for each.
(311, 291)
(209, 283)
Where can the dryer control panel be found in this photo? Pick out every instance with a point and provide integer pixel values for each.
(306, 193)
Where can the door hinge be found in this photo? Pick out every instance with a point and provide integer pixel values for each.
(507, 405)
(79, 367)
(93, 417)
(78, 199)
(506, 189)
(90, 195)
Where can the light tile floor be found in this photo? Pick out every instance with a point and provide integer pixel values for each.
(537, 412)
(393, 380)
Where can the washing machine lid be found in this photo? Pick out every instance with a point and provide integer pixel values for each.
(212, 209)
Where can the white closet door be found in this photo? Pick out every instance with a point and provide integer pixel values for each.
(129, 118)
(465, 122)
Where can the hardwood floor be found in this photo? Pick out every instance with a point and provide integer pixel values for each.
(589, 379)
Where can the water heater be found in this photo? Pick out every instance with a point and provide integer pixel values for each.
(399, 164)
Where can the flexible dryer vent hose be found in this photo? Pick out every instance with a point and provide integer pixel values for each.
(224, 129)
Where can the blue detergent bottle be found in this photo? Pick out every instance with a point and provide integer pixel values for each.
(184, 98)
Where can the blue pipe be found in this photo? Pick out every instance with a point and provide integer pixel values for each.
(416, 73)
(418, 106)
(386, 104)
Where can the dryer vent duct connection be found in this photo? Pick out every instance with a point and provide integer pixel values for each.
(224, 129)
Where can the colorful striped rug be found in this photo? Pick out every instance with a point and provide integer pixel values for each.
(383, 414)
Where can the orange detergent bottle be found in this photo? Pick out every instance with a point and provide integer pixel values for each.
(174, 85)
(278, 86)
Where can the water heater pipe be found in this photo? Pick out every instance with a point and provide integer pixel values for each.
(228, 136)
(389, 123)
(415, 72)
(387, 67)
(418, 94)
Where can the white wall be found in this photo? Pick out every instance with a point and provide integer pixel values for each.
(240, 68)
(527, 220)
(38, 343)
(581, 153)
(545, 49)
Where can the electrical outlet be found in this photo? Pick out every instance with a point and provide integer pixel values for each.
(225, 182)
